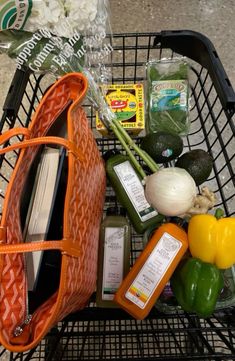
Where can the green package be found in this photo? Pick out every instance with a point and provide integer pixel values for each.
(168, 96)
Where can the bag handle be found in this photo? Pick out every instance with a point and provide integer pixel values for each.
(30, 247)
(36, 141)
(62, 245)
(39, 246)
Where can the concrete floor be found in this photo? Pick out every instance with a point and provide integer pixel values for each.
(214, 18)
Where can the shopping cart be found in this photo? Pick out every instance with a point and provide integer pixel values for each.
(111, 334)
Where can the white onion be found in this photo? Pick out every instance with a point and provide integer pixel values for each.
(171, 191)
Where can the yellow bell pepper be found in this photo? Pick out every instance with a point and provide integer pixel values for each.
(212, 240)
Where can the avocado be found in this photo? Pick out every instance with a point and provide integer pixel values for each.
(198, 164)
(162, 146)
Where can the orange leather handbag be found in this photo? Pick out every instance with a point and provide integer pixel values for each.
(82, 214)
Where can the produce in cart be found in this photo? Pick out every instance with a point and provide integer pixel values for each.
(198, 163)
(168, 96)
(212, 239)
(196, 286)
(162, 146)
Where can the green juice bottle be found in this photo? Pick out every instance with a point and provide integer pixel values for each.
(130, 192)
(114, 255)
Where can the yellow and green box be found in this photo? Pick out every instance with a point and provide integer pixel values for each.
(127, 102)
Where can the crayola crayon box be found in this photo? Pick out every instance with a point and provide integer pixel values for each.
(127, 102)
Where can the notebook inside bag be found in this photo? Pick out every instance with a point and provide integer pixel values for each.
(42, 210)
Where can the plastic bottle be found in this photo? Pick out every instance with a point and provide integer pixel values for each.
(130, 192)
(144, 283)
(114, 255)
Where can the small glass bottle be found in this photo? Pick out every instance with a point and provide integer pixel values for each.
(130, 192)
(114, 255)
(152, 270)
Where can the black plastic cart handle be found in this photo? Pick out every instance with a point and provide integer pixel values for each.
(199, 48)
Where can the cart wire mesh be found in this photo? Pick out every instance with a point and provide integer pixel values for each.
(110, 334)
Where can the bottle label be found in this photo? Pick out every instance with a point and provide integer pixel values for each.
(153, 270)
(169, 95)
(113, 261)
(135, 190)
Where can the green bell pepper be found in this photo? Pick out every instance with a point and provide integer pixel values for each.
(196, 286)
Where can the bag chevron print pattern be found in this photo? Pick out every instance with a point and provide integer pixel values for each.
(83, 208)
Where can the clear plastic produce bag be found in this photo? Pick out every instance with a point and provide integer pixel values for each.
(60, 36)
(168, 96)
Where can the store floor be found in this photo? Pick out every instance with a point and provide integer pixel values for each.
(213, 18)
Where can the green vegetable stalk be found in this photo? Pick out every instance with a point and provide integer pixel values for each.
(127, 144)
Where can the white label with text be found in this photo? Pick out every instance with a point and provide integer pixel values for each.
(113, 261)
(135, 190)
(153, 270)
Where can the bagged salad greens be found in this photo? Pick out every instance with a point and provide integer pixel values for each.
(168, 96)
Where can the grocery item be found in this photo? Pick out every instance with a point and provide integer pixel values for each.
(198, 163)
(42, 52)
(166, 295)
(168, 96)
(62, 17)
(152, 270)
(167, 302)
(212, 240)
(171, 191)
(203, 202)
(114, 255)
(197, 286)
(60, 37)
(127, 102)
(162, 146)
(130, 192)
(183, 191)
